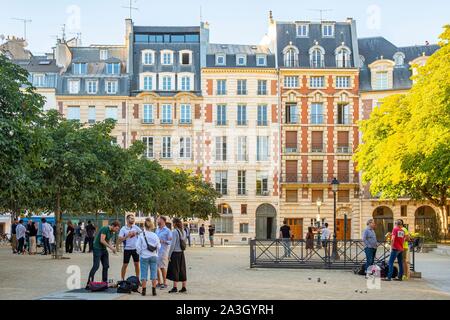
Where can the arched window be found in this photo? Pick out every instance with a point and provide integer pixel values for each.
(343, 57)
(316, 57)
(399, 59)
(290, 57)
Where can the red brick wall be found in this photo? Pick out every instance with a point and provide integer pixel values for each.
(209, 113)
(274, 113)
(209, 87)
(274, 88)
(136, 111)
(366, 108)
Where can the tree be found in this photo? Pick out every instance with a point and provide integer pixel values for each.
(406, 150)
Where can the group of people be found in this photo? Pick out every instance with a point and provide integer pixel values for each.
(399, 239)
(158, 254)
(24, 237)
(78, 235)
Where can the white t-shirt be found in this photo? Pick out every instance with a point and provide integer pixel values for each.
(130, 244)
(325, 234)
(141, 245)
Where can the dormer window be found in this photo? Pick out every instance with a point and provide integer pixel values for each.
(261, 60)
(148, 57)
(80, 68)
(103, 54)
(113, 68)
(343, 57)
(166, 58)
(316, 56)
(221, 60)
(241, 60)
(302, 30)
(185, 57)
(381, 80)
(290, 58)
(399, 59)
(328, 30)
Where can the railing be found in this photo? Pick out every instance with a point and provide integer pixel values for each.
(315, 178)
(343, 254)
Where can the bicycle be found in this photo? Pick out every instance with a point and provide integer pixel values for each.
(417, 245)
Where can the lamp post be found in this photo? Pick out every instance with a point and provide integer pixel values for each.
(319, 204)
(335, 189)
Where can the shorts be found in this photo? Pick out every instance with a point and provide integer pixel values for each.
(406, 255)
(127, 254)
(146, 264)
(163, 262)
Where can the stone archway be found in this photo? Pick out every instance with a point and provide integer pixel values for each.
(426, 222)
(384, 219)
(266, 222)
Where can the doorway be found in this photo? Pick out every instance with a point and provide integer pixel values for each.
(340, 229)
(384, 220)
(266, 222)
(296, 226)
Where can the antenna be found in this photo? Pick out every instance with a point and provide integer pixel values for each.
(131, 8)
(321, 11)
(63, 29)
(25, 22)
(201, 14)
(78, 37)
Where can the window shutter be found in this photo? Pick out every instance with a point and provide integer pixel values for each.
(291, 170)
(317, 139)
(343, 138)
(291, 195)
(316, 195)
(291, 139)
(343, 170)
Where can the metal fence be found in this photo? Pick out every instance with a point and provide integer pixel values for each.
(340, 255)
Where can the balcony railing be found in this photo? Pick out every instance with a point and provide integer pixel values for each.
(344, 148)
(262, 193)
(242, 123)
(289, 150)
(317, 148)
(320, 178)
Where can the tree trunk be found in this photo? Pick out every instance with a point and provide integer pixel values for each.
(59, 229)
(443, 219)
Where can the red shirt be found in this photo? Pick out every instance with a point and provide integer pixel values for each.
(398, 238)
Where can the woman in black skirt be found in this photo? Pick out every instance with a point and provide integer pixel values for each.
(177, 263)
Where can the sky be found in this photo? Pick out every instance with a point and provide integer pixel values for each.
(403, 22)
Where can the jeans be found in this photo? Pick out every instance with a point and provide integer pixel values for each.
(89, 240)
(202, 240)
(287, 247)
(69, 244)
(20, 247)
(77, 243)
(46, 243)
(396, 254)
(370, 256)
(102, 256)
(152, 264)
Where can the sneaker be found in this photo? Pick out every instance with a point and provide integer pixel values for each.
(183, 290)
(174, 290)
(162, 287)
(405, 278)
(397, 279)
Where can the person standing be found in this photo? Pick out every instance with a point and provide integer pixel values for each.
(27, 235)
(285, 236)
(211, 231)
(187, 230)
(406, 268)
(90, 234)
(20, 233)
(70, 231)
(165, 237)
(201, 233)
(33, 231)
(129, 236)
(177, 262)
(325, 238)
(370, 243)
(147, 246)
(397, 241)
(47, 232)
(309, 241)
(78, 236)
(14, 235)
(101, 243)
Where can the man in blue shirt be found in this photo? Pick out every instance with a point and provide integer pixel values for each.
(165, 235)
(370, 243)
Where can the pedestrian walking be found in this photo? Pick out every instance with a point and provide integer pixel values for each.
(177, 263)
(27, 235)
(285, 236)
(78, 236)
(370, 243)
(211, 231)
(14, 235)
(90, 235)
(165, 237)
(33, 231)
(201, 233)
(325, 238)
(128, 235)
(47, 233)
(70, 231)
(100, 250)
(20, 234)
(309, 241)
(147, 246)
(187, 230)
(397, 241)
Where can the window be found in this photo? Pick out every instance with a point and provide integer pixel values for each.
(290, 57)
(166, 58)
(221, 87)
(262, 87)
(111, 113)
(148, 57)
(317, 82)
(292, 171)
(291, 82)
(167, 148)
(222, 182)
(317, 195)
(166, 83)
(317, 171)
(79, 68)
(92, 116)
(343, 171)
(262, 149)
(242, 148)
(186, 114)
(73, 113)
(186, 148)
(112, 87)
(148, 83)
(185, 83)
(317, 141)
(404, 211)
(243, 228)
(221, 115)
(241, 60)
(113, 68)
(342, 82)
(244, 209)
(166, 114)
(302, 30)
(242, 182)
(344, 196)
(343, 142)
(292, 196)
(262, 115)
(92, 86)
(39, 80)
(148, 114)
(74, 86)
(185, 58)
(221, 60)
(261, 60)
(343, 58)
(262, 183)
(317, 58)
(317, 113)
(291, 140)
(291, 114)
(224, 225)
(221, 148)
(242, 87)
(241, 115)
(343, 114)
(327, 30)
(103, 54)
(148, 143)
(50, 80)
(381, 80)
(399, 59)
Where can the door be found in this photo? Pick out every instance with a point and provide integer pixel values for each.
(261, 228)
(296, 226)
(2, 228)
(340, 229)
(269, 228)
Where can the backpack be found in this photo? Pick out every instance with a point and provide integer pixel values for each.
(98, 286)
(182, 242)
(134, 283)
(124, 287)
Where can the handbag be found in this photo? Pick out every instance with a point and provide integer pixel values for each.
(182, 242)
(149, 247)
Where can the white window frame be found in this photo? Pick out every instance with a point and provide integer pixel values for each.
(302, 27)
(39, 84)
(73, 110)
(77, 68)
(166, 114)
(145, 55)
(325, 27)
(164, 54)
(262, 148)
(180, 56)
(242, 148)
(71, 83)
(241, 56)
(223, 56)
(221, 87)
(92, 114)
(148, 111)
(185, 148)
(146, 140)
(291, 82)
(317, 82)
(166, 147)
(221, 149)
(142, 81)
(92, 84)
(112, 86)
(382, 83)
(261, 56)
(343, 82)
(163, 85)
(182, 84)
(113, 68)
(185, 113)
(104, 54)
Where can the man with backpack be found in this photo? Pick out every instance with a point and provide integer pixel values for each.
(129, 236)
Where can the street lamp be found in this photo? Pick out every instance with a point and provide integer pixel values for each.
(335, 189)
(319, 204)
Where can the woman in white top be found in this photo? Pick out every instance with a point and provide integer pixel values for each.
(147, 247)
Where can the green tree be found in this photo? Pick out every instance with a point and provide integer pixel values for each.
(406, 150)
